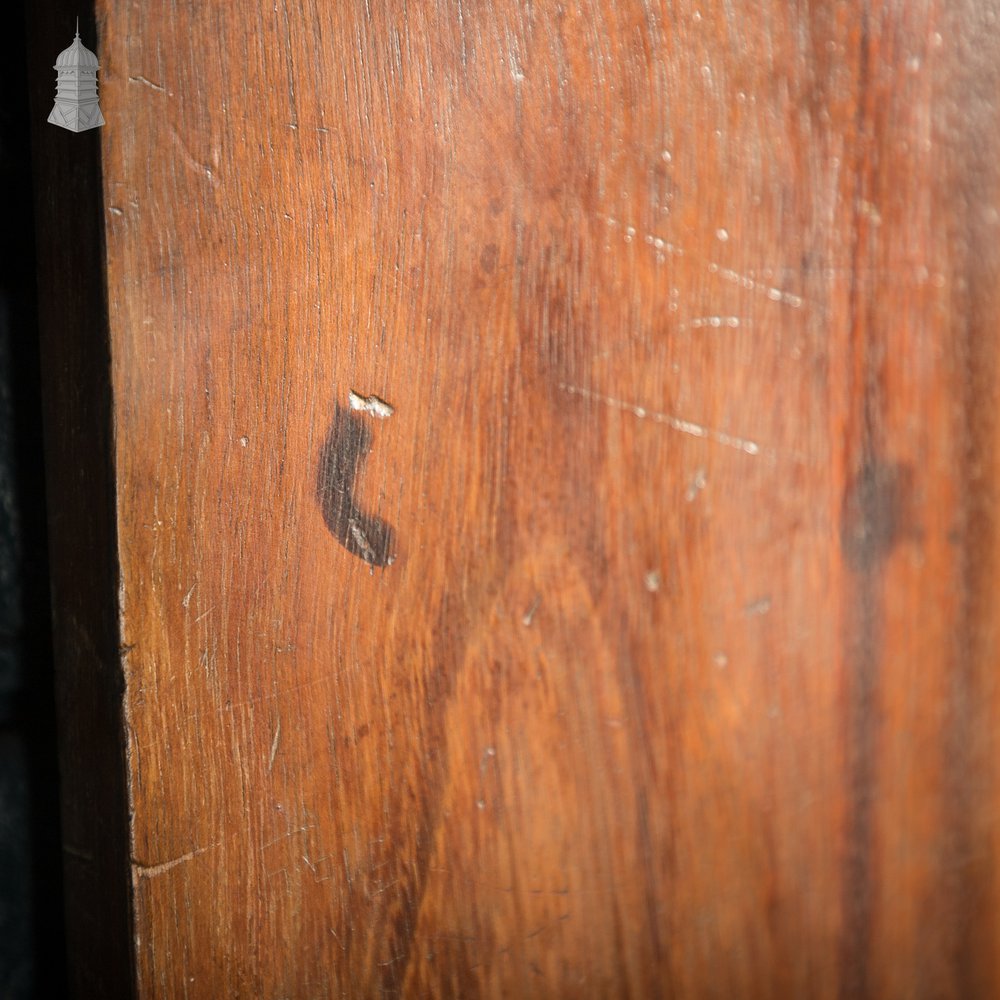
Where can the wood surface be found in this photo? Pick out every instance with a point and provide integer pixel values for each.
(649, 647)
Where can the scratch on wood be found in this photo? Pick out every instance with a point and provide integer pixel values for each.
(274, 746)
(370, 404)
(140, 870)
(192, 162)
(676, 423)
(186, 599)
(285, 836)
(659, 244)
(294, 126)
(760, 607)
(147, 83)
(697, 484)
(529, 616)
(751, 284)
(715, 322)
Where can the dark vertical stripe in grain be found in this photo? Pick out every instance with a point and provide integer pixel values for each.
(871, 520)
(863, 532)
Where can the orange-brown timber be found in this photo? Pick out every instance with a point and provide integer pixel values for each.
(649, 647)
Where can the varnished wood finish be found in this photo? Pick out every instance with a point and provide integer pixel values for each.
(681, 681)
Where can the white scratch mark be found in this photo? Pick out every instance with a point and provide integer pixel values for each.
(359, 537)
(677, 423)
(745, 281)
(274, 747)
(115, 211)
(186, 599)
(760, 607)
(285, 836)
(140, 870)
(696, 485)
(204, 614)
(659, 244)
(147, 83)
(715, 322)
(663, 246)
(281, 871)
(529, 616)
(653, 581)
(489, 753)
(870, 211)
(200, 168)
(370, 404)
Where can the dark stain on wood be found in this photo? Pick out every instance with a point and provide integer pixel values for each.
(873, 515)
(347, 445)
(488, 257)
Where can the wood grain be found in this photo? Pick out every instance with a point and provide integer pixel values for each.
(681, 680)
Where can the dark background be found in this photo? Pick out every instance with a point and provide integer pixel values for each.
(31, 910)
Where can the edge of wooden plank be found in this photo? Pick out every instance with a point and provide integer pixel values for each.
(79, 462)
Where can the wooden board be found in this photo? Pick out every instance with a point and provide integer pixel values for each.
(648, 646)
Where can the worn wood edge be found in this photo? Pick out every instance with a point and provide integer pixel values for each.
(80, 483)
